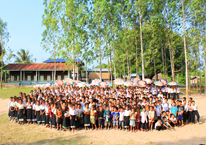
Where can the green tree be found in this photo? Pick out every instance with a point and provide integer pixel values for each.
(23, 56)
(4, 38)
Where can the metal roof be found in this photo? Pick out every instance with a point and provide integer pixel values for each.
(59, 60)
(97, 70)
(134, 75)
(37, 66)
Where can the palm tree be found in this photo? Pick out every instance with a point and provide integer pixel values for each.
(23, 56)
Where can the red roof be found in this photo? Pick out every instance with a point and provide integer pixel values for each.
(37, 66)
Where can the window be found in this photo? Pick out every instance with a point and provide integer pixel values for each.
(59, 77)
(35, 78)
(28, 78)
(48, 78)
(17, 78)
(65, 76)
(12, 78)
(41, 77)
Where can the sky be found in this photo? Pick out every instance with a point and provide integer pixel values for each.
(24, 20)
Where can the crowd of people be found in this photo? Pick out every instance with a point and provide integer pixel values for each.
(123, 108)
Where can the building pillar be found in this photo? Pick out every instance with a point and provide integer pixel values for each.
(9, 77)
(24, 75)
(36, 76)
(20, 75)
(5, 76)
(68, 74)
(52, 75)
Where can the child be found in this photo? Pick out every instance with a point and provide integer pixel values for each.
(121, 118)
(158, 125)
(112, 114)
(12, 109)
(86, 116)
(66, 121)
(51, 115)
(115, 118)
(144, 121)
(37, 112)
(151, 116)
(100, 117)
(54, 112)
(59, 118)
(9, 106)
(29, 111)
(34, 112)
(166, 124)
(107, 115)
(173, 120)
(73, 118)
(16, 109)
(137, 122)
(180, 117)
(195, 112)
(47, 112)
(42, 112)
(132, 120)
(79, 114)
(126, 118)
(92, 117)
(21, 112)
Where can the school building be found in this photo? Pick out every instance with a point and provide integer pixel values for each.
(41, 73)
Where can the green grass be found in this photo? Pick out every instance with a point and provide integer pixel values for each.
(12, 133)
(10, 92)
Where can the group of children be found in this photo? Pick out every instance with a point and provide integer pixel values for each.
(130, 109)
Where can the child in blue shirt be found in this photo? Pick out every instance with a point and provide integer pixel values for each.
(112, 114)
(107, 115)
(115, 118)
(180, 116)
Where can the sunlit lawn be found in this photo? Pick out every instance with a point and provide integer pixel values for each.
(10, 92)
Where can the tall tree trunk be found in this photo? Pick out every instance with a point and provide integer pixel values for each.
(200, 78)
(120, 70)
(185, 46)
(77, 67)
(124, 68)
(86, 71)
(113, 41)
(111, 66)
(155, 70)
(73, 57)
(100, 55)
(127, 63)
(136, 57)
(196, 73)
(54, 58)
(108, 66)
(163, 65)
(1, 59)
(189, 79)
(141, 39)
(203, 36)
(171, 55)
(86, 65)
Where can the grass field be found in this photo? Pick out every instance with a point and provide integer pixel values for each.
(10, 92)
